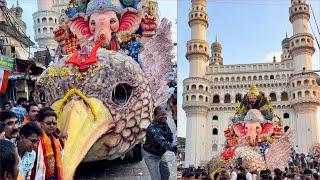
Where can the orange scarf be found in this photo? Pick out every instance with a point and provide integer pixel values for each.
(52, 155)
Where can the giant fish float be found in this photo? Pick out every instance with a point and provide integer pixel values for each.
(104, 98)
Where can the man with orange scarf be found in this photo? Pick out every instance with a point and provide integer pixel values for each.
(48, 164)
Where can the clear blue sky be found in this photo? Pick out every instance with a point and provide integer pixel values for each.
(168, 9)
(250, 31)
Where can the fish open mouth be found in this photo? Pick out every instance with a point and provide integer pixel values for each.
(85, 120)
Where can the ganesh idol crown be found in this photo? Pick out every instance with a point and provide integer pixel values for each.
(109, 72)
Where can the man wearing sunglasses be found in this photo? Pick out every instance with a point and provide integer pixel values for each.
(11, 127)
(49, 151)
(28, 140)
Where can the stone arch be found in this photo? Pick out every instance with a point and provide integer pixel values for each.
(273, 96)
(266, 77)
(299, 94)
(293, 84)
(284, 96)
(216, 98)
(306, 82)
(298, 83)
(216, 79)
(314, 93)
(193, 87)
(313, 82)
(294, 95)
(260, 77)
(50, 19)
(244, 78)
(206, 88)
(187, 87)
(44, 20)
(307, 93)
(249, 78)
(227, 79)
(221, 79)
(193, 97)
(271, 76)
(283, 76)
(227, 98)
(44, 30)
(206, 99)
(277, 76)
(214, 147)
(215, 118)
(51, 29)
(38, 20)
(39, 30)
(286, 116)
(214, 131)
(200, 98)
(187, 98)
(232, 79)
(238, 78)
(201, 87)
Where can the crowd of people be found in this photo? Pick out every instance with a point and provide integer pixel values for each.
(31, 144)
(300, 166)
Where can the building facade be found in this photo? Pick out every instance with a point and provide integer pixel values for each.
(213, 89)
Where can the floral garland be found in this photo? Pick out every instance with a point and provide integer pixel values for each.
(79, 93)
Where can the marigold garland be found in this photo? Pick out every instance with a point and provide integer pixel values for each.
(79, 93)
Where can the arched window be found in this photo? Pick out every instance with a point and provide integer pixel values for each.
(215, 118)
(216, 99)
(266, 77)
(273, 97)
(227, 98)
(187, 98)
(215, 79)
(38, 20)
(50, 19)
(285, 115)
(277, 76)
(299, 94)
(200, 98)
(272, 77)
(214, 131)
(206, 88)
(206, 99)
(51, 29)
(193, 97)
(193, 87)
(214, 147)
(260, 77)
(294, 96)
(298, 83)
(200, 87)
(238, 97)
(243, 78)
(307, 93)
(254, 77)
(284, 96)
(238, 78)
(306, 82)
(293, 84)
(45, 30)
(44, 20)
(221, 79)
(188, 88)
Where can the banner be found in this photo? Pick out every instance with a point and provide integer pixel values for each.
(6, 63)
(4, 77)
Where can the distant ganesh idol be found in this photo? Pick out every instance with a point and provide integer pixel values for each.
(254, 135)
(103, 97)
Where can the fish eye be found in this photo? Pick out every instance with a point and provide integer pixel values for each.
(121, 94)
